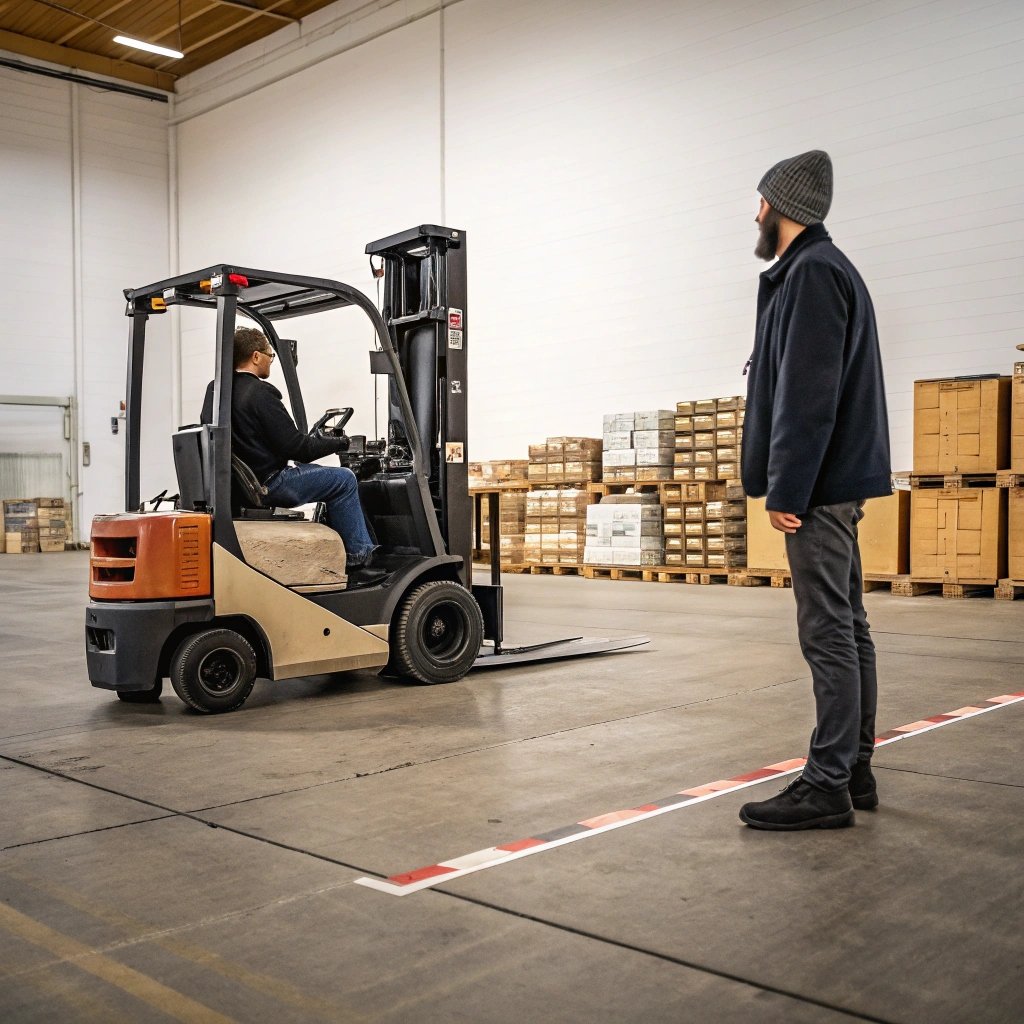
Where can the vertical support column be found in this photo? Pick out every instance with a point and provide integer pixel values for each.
(77, 300)
(455, 339)
(133, 411)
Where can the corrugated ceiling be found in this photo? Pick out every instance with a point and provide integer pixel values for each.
(80, 33)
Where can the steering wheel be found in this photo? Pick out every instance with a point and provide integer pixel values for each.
(341, 415)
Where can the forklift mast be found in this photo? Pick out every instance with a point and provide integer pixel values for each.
(424, 308)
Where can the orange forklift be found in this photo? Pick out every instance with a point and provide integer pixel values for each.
(221, 590)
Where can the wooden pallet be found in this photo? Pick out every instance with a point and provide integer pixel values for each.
(754, 577)
(645, 573)
(1009, 590)
(959, 591)
(555, 569)
(954, 481)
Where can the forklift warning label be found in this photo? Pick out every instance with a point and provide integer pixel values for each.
(454, 338)
(455, 319)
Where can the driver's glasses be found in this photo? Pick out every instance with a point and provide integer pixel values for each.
(270, 355)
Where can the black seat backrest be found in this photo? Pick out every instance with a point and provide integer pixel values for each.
(246, 489)
(189, 445)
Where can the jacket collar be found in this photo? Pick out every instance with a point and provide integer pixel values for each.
(810, 234)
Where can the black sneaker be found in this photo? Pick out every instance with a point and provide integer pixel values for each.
(863, 790)
(800, 805)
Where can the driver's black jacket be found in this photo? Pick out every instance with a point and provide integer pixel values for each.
(263, 435)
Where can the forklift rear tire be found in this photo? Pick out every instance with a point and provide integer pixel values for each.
(437, 633)
(214, 671)
(151, 696)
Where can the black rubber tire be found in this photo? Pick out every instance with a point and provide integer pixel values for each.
(214, 671)
(436, 634)
(142, 696)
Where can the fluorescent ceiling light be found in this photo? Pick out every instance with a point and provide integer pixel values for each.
(151, 47)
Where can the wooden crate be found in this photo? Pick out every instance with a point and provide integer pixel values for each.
(958, 535)
(962, 425)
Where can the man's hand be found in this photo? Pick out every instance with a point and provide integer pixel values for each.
(784, 522)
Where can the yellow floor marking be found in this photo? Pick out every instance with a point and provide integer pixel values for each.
(141, 932)
(159, 996)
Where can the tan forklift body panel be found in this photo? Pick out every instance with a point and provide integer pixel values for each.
(304, 639)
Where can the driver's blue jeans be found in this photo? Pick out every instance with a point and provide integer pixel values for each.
(338, 488)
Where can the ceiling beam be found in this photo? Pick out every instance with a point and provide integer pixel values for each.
(71, 58)
(88, 23)
(224, 31)
(256, 9)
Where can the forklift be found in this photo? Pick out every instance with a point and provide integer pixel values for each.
(220, 589)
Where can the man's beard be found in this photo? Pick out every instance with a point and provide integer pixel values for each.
(768, 235)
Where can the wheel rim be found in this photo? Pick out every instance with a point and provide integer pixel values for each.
(443, 633)
(220, 671)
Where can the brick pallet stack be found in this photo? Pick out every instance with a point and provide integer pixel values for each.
(556, 523)
(625, 530)
(638, 446)
(958, 520)
(569, 460)
(708, 438)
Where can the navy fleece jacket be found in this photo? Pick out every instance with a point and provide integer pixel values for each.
(816, 429)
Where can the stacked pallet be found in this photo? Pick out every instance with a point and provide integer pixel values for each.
(35, 524)
(638, 446)
(708, 439)
(958, 520)
(511, 528)
(498, 474)
(625, 530)
(1013, 584)
(556, 526)
(568, 460)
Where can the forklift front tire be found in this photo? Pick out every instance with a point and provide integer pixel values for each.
(151, 696)
(214, 671)
(437, 633)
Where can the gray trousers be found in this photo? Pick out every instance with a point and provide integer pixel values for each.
(835, 638)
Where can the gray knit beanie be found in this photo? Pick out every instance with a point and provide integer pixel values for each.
(800, 188)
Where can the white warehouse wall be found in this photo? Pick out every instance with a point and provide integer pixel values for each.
(603, 159)
(84, 206)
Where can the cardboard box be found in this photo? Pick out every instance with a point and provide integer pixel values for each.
(962, 425)
(654, 419)
(958, 535)
(1017, 421)
(1015, 534)
(654, 439)
(883, 535)
(654, 456)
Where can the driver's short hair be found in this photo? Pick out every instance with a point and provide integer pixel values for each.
(247, 341)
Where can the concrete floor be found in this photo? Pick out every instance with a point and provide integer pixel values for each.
(157, 864)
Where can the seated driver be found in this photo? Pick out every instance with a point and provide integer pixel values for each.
(265, 437)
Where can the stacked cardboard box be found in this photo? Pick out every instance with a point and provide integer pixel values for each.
(1015, 541)
(958, 528)
(21, 526)
(708, 439)
(499, 473)
(961, 425)
(883, 536)
(53, 524)
(571, 460)
(1017, 420)
(626, 530)
(511, 528)
(638, 446)
(556, 523)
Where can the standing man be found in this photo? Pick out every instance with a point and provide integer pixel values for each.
(816, 443)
